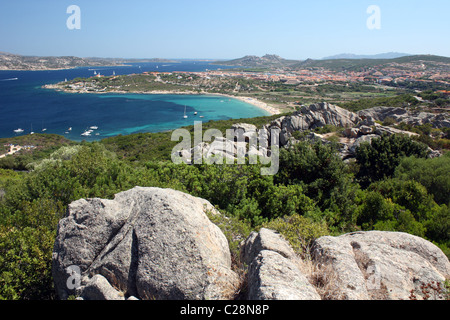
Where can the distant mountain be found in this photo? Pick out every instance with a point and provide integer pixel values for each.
(9, 61)
(266, 61)
(388, 55)
(357, 64)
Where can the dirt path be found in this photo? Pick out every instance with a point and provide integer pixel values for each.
(12, 150)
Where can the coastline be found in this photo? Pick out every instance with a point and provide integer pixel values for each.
(255, 102)
(65, 68)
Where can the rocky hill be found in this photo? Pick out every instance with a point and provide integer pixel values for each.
(10, 61)
(266, 61)
(151, 243)
(387, 55)
(411, 63)
(359, 127)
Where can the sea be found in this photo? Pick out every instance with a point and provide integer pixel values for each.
(26, 105)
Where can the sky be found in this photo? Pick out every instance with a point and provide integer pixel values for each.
(228, 29)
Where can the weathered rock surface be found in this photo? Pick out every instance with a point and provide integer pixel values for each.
(314, 116)
(406, 115)
(381, 265)
(274, 269)
(98, 288)
(149, 243)
(359, 127)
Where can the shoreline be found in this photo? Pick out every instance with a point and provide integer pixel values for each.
(252, 101)
(68, 68)
(255, 102)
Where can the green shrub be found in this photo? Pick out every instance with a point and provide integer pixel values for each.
(299, 231)
(378, 160)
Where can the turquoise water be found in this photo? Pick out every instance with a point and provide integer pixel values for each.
(25, 104)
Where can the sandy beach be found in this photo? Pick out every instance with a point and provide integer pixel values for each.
(257, 103)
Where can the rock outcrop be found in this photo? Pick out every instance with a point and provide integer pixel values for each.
(380, 265)
(359, 127)
(275, 271)
(149, 243)
(314, 116)
(405, 115)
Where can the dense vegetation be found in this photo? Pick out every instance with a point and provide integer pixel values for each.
(391, 186)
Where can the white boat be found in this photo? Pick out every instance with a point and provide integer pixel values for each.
(93, 128)
(195, 113)
(185, 116)
(70, 129)
(87, 133)
(18, 130)
(201, 116)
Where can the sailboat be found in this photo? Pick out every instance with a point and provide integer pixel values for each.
(185, 116)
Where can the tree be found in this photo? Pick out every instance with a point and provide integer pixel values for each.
(431, 173)
(377, 160)
(317, 167)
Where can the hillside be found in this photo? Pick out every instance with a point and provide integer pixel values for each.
(387, 55)
(356, 64)
(315, 193)
(266, 61)
(9, 61)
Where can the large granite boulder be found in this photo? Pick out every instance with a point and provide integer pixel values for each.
(381, 265)
(314, 116)
(275, 271)
(149, 243)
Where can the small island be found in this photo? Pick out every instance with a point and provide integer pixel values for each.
(9, 61)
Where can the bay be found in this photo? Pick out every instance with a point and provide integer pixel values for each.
(25, 104)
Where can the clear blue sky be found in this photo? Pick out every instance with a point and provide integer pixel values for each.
(227, 29)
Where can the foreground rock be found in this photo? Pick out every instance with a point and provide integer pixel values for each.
(379, 265)
(151, 243)
(274, 269)
(148, 243)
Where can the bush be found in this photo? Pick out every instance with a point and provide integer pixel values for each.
(299, 231)
(377, 160)
(431, 173)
